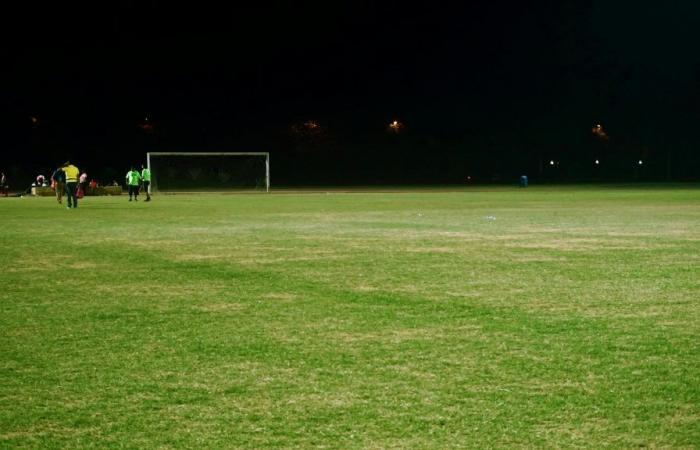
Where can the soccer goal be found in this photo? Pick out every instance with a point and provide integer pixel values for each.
(173, 172)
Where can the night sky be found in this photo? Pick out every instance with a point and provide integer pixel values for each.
(488, 89)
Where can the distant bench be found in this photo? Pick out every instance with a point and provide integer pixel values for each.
(43, 191)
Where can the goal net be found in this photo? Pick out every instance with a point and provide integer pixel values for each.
(209, 172)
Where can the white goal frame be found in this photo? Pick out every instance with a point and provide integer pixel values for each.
(265, 154)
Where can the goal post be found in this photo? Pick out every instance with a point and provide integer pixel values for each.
(209, 171)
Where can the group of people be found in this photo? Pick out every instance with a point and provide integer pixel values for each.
(134, 180)
(67, 180)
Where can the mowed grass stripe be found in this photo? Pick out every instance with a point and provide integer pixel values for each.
(353, 320)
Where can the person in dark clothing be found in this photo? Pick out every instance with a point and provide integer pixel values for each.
(58, 179)
(3, 184)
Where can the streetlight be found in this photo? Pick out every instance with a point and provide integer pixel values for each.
(395, 126)
(599, 132)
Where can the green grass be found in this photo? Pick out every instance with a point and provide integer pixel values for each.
(353, 320)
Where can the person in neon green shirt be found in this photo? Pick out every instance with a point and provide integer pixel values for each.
(133, 178)
(146, 180)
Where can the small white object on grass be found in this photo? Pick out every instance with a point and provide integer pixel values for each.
(490, 217)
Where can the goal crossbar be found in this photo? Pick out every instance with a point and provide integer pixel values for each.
(209, 153)
(265, 154)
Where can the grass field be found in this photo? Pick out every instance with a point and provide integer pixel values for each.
(545, 317)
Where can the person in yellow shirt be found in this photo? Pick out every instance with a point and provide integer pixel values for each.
(72, 174)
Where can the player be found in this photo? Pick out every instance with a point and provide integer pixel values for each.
(72, 174)
(132, 180)
(84, 182)
(146, 179)
(59, 183)
(3, 184)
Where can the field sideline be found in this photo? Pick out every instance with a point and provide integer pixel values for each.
(547, 317)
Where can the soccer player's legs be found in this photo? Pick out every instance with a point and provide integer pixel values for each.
(145, 189)
(71, 195)
(59, 191)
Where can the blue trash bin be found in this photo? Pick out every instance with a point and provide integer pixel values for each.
(523, 181)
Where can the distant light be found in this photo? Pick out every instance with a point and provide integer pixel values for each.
(597, 162)
(641, 162)
(395, 126)
(146, 125)
(599, 132)
(551, 162)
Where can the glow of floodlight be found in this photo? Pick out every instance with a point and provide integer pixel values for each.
(395, 126)
(551, 162)
(597, 162)
(641, 162)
